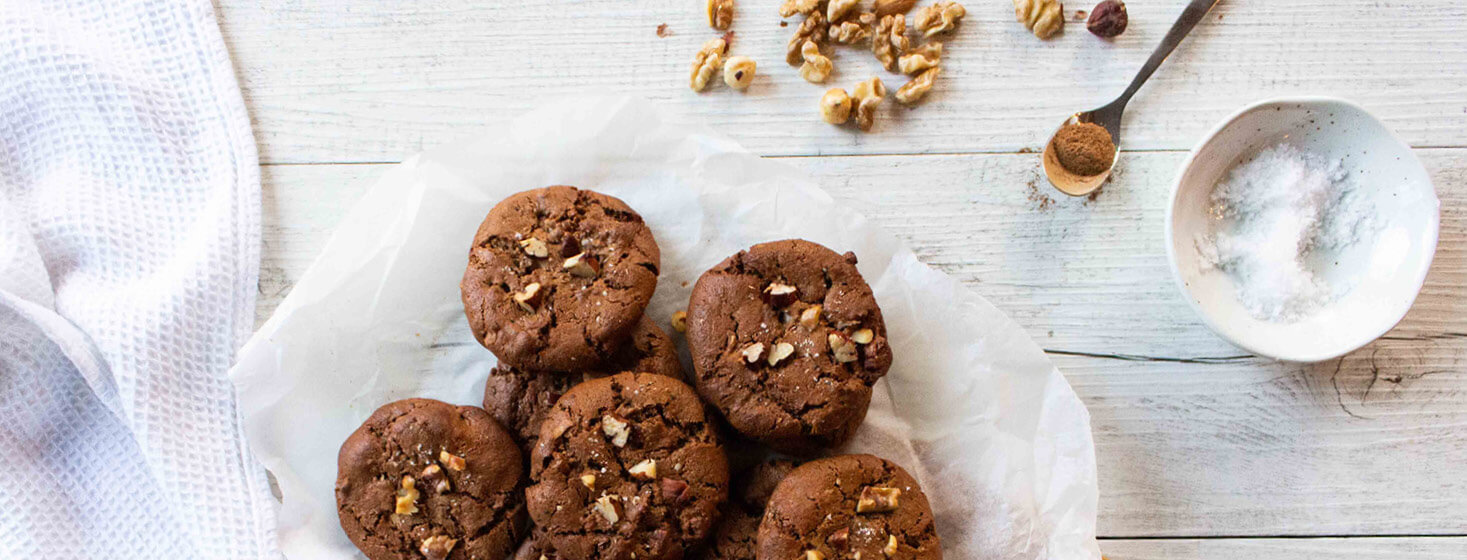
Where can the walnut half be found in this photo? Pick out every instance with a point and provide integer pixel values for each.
(812, 29)
(890, 40)
(708, 60)
(939, 17)
(910, 93)
(868, 96)
(817, 66)
(1044, 17)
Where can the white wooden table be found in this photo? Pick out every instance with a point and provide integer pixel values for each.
(1204, 451)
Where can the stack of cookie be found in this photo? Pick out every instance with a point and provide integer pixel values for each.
(589, 432)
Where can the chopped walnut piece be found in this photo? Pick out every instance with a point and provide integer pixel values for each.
(780, 295)
(939, 17)
(453, 462)
(913, 91)
(720, 14)
(535, 248)
(606, 506)
(803, 7)
(437, 547)
(738, 72)
(616, 429)
(529, 298)
(753, 352)
(863, 336)
(810, 317)
(835, 107)
(680, 320)
(582, 266)
(837, 10)
(920, 58)
(1044, 17)
(841, 347)
(868, 96)
(890, 40)
(878, 499)
(814, 555)
(853, 31)
(891, 546)
(645, 470)
(813, 29)
(589, 480)
(817, 66)
(407, 497)
(780, 352)
(708, 60)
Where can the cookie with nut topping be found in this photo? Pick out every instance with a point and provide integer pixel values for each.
(426, 479)
(558, 277)
(787, 340)
(851, 506)
(521, 398)
(627, 466)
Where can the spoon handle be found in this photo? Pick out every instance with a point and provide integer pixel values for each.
(1185, 22)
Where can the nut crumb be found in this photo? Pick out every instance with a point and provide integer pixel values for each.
(663, 30)
(680, 320)
(891, 546)
(589, 481)
(645, 470)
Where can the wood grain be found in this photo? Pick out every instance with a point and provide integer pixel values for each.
(1194, 438)
(350, 81)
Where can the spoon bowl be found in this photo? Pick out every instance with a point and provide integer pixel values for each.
(1069, 182)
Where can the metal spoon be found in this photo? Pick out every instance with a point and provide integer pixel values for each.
(1109, 116)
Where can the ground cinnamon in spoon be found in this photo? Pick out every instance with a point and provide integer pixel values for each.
(1084, 149)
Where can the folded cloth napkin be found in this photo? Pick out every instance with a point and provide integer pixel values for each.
(129, 257)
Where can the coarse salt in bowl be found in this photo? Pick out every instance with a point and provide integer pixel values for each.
(1376, 277)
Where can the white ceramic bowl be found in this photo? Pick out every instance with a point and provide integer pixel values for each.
(1387, 273)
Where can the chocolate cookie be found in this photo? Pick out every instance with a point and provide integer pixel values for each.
(535, 548)
(519, 398)
(558, 277)
(737, 533)
(422, 478)
(627, 467)
(787, 340)
(847, 507)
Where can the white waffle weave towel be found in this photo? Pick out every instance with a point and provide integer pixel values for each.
(129, 257)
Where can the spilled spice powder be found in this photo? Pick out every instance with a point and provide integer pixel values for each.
(1084, 149)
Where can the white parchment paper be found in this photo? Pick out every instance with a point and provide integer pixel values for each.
(972, 407)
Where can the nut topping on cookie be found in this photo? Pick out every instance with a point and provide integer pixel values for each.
(535, 248)
(814, 555)
(877, 499)
(891, 546)
(810, 317)
(842, 348)
(407, 497)
(589, 480)
(582, 265)
(453, 462)
(437, 547)
(606, 506)
(863, 336)
(780, 352)
(839, 539)
(780, 295)
(433, 475)
(680, 320)
(616, 429)
(645, 470)
(753, 352)
(530, 297)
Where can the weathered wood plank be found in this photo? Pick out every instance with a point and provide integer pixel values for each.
(1193, 438)
(1453, 548)
(347, 81)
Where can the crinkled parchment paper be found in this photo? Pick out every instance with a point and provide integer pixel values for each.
(972, 407)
